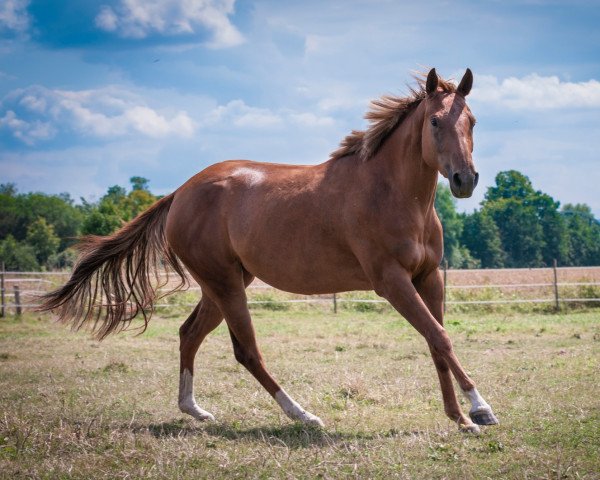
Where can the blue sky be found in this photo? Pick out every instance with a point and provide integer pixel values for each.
(94, 92)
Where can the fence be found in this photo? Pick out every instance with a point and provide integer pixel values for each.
(463, 288)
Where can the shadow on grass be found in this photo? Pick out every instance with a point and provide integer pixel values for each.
(294, 435)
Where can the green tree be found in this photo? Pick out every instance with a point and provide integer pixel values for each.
(18, 211)
(510, 184)
(532, 231)
(554, 229)
(583, 235)
(43, 240)
(457, 255)
(102, 218)
(116, 207)
(520, 232)
(139, 183)
(17, 256)
(482, 237)
(138, 201)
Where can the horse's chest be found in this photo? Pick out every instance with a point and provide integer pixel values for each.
(417, 252)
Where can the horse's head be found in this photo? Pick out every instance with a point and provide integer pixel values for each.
(448, 134)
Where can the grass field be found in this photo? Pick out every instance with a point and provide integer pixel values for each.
(71, 407)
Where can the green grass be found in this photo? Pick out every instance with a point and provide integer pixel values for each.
(71, 407)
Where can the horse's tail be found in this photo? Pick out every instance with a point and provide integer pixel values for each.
(116, 277)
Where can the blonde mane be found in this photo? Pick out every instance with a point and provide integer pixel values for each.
(385, 114)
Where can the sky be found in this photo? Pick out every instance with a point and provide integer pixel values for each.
(95, 92)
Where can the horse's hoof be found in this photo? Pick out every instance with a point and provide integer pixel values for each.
(198, 413)
(205, 417)
(484, 416)
(471, 428)
(313, 420)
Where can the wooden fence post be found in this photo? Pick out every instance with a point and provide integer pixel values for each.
(445, 264)
(18, 300)
(3, 301)
(556, 300)
(334, 303)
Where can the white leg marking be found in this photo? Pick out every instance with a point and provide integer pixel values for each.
(481, 413)
(293, 410)
(477, 401)
(187, 404)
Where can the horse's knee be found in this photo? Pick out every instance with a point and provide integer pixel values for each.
(239, 355)
(246, 359)
(440, 363)
(441, 344)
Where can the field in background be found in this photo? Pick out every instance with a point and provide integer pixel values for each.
(502, 290)
(71, 407)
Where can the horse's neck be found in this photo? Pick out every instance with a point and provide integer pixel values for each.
(401, 158)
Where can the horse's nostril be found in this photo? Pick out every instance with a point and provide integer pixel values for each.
(476, 179)
(456, 179)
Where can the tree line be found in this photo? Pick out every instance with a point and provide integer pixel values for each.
(516, 226)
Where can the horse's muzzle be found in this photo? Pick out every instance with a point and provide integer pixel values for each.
(463, 183)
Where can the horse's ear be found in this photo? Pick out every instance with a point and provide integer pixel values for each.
(432, 82)
(465, 85)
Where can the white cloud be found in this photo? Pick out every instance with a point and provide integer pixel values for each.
(27, 132)
(14, 16)
(239, 114)
(311, 120)
(39, 113)
(536, 92)
(141, 18)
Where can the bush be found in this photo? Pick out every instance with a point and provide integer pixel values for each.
(17, 256)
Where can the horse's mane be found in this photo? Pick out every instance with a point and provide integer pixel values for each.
(385, 114)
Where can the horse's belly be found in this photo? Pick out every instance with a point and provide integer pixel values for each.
(310, 274)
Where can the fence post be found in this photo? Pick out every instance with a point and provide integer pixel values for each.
(335, 303)
(17, 300)
(445, 265)
(556, 300)
(3, 301)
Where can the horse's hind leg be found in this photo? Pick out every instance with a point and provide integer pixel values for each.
(234, 306)
(203, 320)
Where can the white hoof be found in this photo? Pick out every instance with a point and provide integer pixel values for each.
(311, 419)
(293, 410)
(471, 428)
(195, 411)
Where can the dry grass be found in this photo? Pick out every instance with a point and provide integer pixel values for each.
(74, 408)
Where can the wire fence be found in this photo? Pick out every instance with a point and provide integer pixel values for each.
(551, 288)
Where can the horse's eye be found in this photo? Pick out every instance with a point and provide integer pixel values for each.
(434, 121)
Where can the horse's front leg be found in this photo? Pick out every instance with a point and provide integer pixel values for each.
(395, 285)
(431, 289)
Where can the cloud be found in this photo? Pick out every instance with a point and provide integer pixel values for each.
(14, 16)
(38, 113)
(141, 18)
(27, 132)
(536, 92)
(238, 114)
(311, 120)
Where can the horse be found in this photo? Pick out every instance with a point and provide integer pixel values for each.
(362, 220)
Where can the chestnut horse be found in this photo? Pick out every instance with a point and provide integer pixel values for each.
(363, 220)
